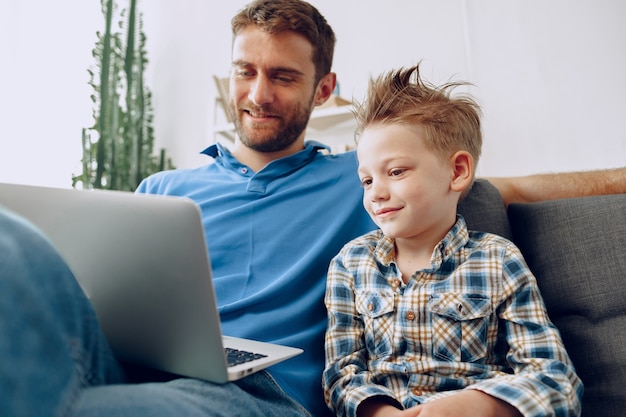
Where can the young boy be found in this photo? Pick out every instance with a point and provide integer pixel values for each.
(424, 315)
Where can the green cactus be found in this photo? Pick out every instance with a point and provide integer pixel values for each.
(118, 148)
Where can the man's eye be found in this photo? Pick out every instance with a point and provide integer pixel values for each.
(243, 73)
(284, 80)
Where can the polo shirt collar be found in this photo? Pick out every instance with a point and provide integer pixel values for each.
(311, 148)
(258, 182)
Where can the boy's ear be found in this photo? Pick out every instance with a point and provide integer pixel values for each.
(463, 171)
(325, 88)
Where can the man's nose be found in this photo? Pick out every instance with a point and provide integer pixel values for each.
(261, 91)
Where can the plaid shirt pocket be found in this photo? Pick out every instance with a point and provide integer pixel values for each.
(460, 323)
(377, 311)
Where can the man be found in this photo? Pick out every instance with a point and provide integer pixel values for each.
(269, 268)
(275, 211)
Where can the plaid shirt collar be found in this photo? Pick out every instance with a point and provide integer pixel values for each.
(456, 238)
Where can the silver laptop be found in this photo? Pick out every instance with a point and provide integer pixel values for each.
(143, 262)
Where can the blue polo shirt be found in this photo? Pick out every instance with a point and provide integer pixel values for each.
(271, 235)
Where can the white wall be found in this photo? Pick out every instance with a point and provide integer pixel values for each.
(45, 49)
(549, 74)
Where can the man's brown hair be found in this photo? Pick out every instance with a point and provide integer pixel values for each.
(276, 16)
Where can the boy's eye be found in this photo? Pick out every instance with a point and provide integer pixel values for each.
(366, 181)
(396, 172)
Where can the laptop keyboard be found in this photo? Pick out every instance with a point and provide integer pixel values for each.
(236, 357)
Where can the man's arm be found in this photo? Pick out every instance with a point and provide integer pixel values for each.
(539, 187)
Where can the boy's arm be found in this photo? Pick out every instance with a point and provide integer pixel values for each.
(346, 378)
(378, 407)
(466, 403)
(543, 375)
(539, 187)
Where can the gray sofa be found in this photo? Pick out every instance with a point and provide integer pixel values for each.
(577, 250)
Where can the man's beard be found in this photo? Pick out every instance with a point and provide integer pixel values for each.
(285, 134)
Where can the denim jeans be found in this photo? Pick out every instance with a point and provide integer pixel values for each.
(55, 360)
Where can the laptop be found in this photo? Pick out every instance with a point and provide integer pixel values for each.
(143, 262)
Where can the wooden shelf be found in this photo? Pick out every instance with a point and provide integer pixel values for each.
(327, 117)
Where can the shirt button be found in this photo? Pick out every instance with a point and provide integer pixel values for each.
(410, 315)
(370, 306)
(461, 308)
(244, 170)
(417, 391)
(395, 283)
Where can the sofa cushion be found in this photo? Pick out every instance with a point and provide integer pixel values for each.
(484, 210)
(577, 250)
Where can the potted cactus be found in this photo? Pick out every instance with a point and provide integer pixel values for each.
(118, 147)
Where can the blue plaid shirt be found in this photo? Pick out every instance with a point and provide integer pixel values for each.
(474, 320)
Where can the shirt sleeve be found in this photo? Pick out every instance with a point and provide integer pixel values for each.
(347, 381)
(543, 375)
